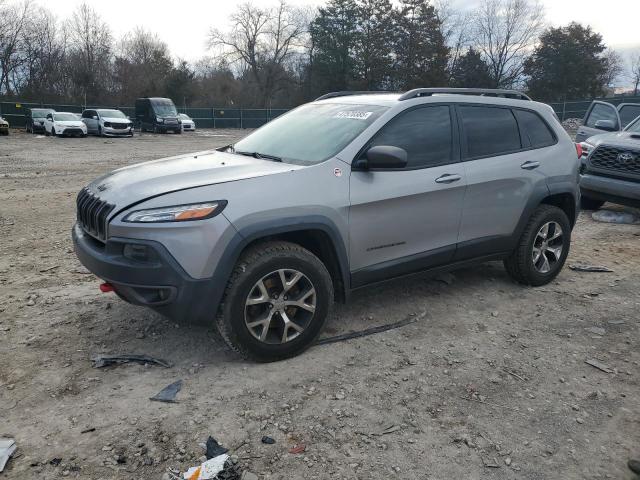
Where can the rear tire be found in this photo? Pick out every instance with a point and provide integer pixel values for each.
(587, 203)
(256, 293)
(532, 262)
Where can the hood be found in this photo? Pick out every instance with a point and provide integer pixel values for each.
(116, 120)
(618, 139)
(135, 183)
(69, 123)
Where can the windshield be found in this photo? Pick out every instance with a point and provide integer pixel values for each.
(633, 127)
(311, 133)
(40, 113)
(64, 117)
(185, 116)
(111, 114)
(164, 108)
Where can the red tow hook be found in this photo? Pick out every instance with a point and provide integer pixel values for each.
(106, 288)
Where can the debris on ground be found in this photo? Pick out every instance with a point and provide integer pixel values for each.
(446, 278)
(89, 429)
(100, 361)
(247, 475)
(207, 470)
(168, 393)
(590, 268)
(214, 449)
(609, 216)
(371, 331)
(596, 330)
(219, 468)
(599, 365)
(298, 449)
(268, 440)
(7, 447)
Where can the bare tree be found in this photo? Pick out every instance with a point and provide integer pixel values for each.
(614, 67)
(505, 31)
(13, 19)
(635, 73)
(90, 51)
(456, 25)
(262, 42)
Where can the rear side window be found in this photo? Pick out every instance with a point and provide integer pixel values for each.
(535, 129)
(425, 133)
(489, 131)
(601, 112)
(628, 113)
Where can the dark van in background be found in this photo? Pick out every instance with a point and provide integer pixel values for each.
(158, 115)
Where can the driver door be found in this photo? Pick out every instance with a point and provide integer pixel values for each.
(599, 115)
(404, 220)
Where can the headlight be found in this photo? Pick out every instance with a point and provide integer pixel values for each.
(177, 213)
(159, 120)
(586, 148)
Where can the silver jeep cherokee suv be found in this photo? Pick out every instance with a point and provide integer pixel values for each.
(260, 237)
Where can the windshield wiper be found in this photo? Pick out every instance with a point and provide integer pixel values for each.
(261, 156)
(226, 148)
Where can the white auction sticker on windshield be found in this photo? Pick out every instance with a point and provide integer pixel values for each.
(355, 115)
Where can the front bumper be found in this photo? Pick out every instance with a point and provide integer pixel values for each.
(75, 131)
(119, 132)
(157, 281)
(610, 189)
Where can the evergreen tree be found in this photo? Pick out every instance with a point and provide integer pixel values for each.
(567, 64)
(471, 71)
(420, 50)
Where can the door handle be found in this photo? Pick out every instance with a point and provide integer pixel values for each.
(448, 178)
(529, 165)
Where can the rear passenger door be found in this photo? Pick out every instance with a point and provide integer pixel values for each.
(503, 157)
(601, 117)
(406, 220)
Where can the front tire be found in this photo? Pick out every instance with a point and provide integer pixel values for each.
(587, 203)
(276, 302)
(542, 249)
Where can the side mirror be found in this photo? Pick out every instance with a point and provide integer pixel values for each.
(384, 156)
(606, 125)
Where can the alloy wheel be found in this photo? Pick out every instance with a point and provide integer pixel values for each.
(547, 247)
(280, 306)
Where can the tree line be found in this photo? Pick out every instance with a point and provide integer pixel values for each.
(285, 55)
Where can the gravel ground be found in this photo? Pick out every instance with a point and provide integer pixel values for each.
(489, 382)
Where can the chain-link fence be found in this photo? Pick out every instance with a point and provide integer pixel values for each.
(230, 117)
(16, 112)
(578, 108)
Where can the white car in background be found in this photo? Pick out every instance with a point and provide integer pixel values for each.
(64, 123)
(107, 122)
(188, 125)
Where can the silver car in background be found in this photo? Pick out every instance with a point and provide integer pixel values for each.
(107, 122)
(188, 125)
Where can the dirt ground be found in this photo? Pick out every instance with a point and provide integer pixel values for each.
(489, 382)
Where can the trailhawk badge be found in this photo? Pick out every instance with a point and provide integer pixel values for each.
(337, 172)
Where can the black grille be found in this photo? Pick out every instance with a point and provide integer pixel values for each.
(92, 214)
(616, 159)
(119, 126)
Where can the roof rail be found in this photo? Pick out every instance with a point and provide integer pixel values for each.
(486, 92)
(346, 93)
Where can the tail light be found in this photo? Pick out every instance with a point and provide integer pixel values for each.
(579, 150)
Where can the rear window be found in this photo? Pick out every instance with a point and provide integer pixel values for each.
(628, 113)
(535, 129)
(489, 131)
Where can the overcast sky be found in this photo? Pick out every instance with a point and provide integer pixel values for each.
(184, 24)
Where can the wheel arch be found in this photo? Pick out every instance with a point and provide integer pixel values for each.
(566, 202)
(320, 236)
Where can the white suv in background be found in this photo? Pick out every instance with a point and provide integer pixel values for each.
(188, 125)
(107, 122)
